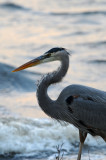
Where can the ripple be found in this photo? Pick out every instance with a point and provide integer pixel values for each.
(95, 44)
(78, 13)
(12, 6)
(98, 61)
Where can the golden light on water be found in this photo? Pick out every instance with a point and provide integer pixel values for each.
(26, 34)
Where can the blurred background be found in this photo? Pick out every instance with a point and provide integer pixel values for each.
(27, 30)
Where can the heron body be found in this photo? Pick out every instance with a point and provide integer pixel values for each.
(82, 106)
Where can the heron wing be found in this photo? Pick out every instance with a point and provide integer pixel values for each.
(89, 113)
(86, 108)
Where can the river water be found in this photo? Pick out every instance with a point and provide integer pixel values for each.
(27, 30)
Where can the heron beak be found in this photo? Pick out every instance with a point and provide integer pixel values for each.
(31, 63)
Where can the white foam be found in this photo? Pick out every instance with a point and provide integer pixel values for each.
(23, 136)
(84, 157)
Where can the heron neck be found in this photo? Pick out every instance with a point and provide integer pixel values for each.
(45, 102)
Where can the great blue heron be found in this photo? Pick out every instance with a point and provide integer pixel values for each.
(82, 106)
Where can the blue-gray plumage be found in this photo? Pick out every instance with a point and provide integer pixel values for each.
(82, 106)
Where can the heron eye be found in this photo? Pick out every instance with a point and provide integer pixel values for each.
(48, 55)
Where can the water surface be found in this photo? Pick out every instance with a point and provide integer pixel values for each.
(27, 30)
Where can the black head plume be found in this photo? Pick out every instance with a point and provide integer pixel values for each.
(56, 49)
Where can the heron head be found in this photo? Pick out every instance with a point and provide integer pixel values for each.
(51, 55)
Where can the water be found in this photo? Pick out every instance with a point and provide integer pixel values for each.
(28, 29)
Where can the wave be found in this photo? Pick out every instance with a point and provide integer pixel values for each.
(12, 6)
(38, 137)
(17, 81)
